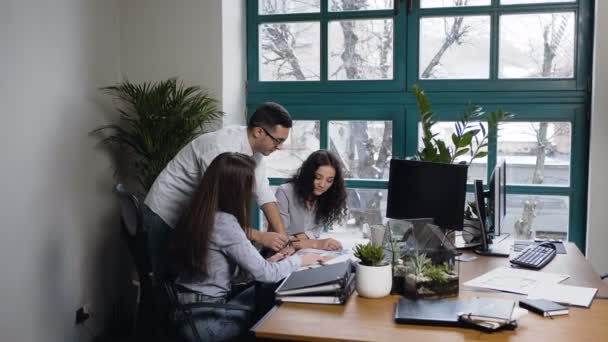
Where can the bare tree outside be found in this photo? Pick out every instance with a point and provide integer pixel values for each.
(455, 33)
(553, 35)
(359, 49)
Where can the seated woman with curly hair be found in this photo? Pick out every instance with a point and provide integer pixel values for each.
(313, 198)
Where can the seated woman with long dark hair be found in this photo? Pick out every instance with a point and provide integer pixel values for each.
(313, 198)
(211, 247)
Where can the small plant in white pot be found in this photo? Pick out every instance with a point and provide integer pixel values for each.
(374, 274)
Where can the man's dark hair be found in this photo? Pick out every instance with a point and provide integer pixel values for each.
(268, 115)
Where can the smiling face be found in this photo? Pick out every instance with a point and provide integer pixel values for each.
(324, 179)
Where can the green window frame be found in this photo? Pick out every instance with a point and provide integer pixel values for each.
(530, 99)
(254, 20)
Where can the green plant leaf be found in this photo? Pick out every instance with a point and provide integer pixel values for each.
(480, 154)
(157, 120)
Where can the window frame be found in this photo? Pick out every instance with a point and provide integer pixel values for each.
(530, 99)
(582, 48)
(324, 17)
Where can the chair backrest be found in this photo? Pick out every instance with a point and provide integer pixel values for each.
(148, 246)
(130, 209)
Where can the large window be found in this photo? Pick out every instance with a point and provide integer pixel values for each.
(344, 69)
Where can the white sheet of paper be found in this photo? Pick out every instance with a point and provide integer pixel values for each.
(564, 294)
(515, 280)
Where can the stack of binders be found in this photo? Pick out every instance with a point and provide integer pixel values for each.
(331, 284)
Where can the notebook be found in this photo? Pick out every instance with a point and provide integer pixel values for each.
(479, 313)
(490, 310)
(543, 307)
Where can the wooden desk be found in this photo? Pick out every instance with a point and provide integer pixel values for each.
(573, 263)
(362, 319)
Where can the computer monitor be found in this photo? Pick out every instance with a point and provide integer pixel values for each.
(419, 189)
(486, 239)
(497, 198)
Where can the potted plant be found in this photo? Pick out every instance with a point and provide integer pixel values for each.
(428, 264)
(466, 138)
(157, 119)
(374, 275)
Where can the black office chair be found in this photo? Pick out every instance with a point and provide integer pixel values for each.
(159, 315)
(604, 276)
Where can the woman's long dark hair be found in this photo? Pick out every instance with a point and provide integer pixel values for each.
(226, 186)
(331, 205)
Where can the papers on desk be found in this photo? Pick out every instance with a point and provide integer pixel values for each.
(329, 257)
(564, 294)
(535, 284)
(515, 280)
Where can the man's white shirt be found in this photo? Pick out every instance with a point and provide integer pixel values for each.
(174, 187)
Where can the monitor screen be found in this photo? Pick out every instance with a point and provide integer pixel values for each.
(418, 189)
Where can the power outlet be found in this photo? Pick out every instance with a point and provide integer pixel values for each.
(82, 315)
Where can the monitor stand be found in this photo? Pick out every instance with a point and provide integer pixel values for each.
(499, 247)
(460, 243)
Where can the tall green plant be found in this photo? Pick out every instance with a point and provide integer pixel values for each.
(466, 138)
(156, 120)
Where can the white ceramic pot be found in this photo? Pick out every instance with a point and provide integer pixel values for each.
(374, 281)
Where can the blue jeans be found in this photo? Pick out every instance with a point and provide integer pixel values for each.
(216, 324)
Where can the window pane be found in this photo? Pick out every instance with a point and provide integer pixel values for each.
(452, 3)
(536, 152)
(368, 5)
(511, 2)
(444, 130)
(288, 6)
(536, 45)
(302, 141)
(289, 51)
(360, 49)
(364, 206)
(263, 222)
(455, 47)
(548, 214)
(364, 147)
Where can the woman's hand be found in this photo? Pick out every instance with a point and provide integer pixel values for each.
(276, 257)
(329, 244)
(272, 240)
(310, 259)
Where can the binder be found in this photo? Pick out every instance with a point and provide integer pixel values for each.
(308, 281)
(339, 295)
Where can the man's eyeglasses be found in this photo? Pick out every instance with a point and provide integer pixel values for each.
(275, 140)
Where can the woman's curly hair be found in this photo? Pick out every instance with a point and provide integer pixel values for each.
(331, 205)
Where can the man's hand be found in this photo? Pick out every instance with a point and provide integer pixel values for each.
(329, 244)
(274, 241)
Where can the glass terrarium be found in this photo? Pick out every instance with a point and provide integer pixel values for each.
(426, 265)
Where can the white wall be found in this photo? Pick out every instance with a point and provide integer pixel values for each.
(234, 72)
(59, 246)
(188, 39)
(597, 219)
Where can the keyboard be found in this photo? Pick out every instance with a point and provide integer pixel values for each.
(535, 256)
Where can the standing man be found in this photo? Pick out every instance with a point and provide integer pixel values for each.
(172, 190)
